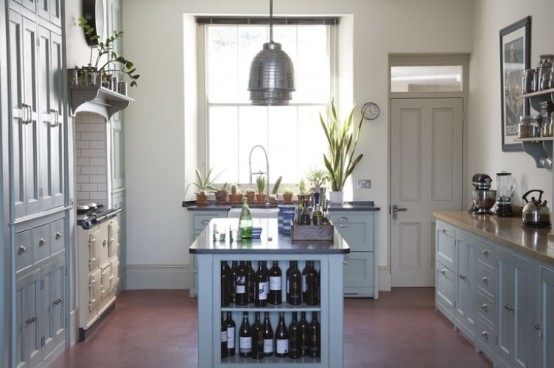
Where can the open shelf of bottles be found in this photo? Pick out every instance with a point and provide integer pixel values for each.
(271, 312)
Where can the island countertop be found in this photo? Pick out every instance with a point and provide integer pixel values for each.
(507, 231)
(270, 241)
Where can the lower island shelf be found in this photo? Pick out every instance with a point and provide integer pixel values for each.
(328, 257)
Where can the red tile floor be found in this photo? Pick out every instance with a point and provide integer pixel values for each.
(158, 329)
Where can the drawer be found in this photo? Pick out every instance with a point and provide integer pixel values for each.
(57, 240)
(486, 254)
(356, 229)
(201, 221)
(486, 279)
(486, 308)
(485, 338)
(359, 274)
(445, 244)
(40, 238)
(23, 251)
(444, 285)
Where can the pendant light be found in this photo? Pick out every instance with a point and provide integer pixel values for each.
(271, 73)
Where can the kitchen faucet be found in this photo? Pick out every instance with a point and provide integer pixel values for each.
(266, 169)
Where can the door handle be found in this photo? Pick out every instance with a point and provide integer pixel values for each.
(395, 209)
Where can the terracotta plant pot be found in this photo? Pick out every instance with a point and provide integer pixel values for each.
(221, 197)
(250, 197)
(287, 198)
(235, 198)
(201, 199)
(260, 198)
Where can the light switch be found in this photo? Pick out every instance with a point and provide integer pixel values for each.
(364, 183)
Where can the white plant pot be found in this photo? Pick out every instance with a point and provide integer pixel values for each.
(336, 197)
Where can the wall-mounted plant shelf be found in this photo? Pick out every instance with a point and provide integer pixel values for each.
(535, 98)
(540, 149)
(99, 100)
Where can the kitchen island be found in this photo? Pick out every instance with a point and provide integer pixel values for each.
(211, 249)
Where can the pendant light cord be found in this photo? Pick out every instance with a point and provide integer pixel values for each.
(271, 21)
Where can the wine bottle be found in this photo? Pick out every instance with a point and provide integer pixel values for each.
(245, 337)
(268, 336)
(224, 351)
(275, 288)
(245, 221)
(317, 214)
(257, 338)
(234, 266)
(230, 325)
(241, 292)
(294, 284)
(261, 285)
(226, 298)
(310, 284)
(304, 334)
(305, 218)
(294, 338)
(314, 345)
(281, 337)
(250, 281)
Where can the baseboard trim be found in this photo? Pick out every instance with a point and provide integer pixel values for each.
(152, 277)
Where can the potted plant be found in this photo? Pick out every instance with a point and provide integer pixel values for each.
(107, 60)
(250, 195)
(303, 193)
(235, 197)
(287, 196)
(260, 185)
(221, 194)
(275, 190)
(340, 160)
(204, 183)
(318, 179)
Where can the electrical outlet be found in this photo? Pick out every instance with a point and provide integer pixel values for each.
(364, 183)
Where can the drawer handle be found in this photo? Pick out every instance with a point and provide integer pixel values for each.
(57, 301)
(343, 218)
(443, 231)
(485, 334)
(58, 235)
(205, 222)
(485, 280)
(22, 249)
(104, 242)
(31, 320)
(462, 276)
(485, 252)
(485, 307)
(443, 271)
(508, 307)
(41, 242)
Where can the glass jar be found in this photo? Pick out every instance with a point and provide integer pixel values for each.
(529, 126)
(528, 84)
(546, 128)
(545, 77)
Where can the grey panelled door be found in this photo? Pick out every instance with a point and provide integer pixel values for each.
(426, 176)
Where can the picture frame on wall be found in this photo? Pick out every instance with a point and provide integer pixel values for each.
(515, 58)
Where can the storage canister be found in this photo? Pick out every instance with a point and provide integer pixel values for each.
(529, 126)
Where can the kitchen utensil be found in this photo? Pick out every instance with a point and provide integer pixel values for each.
(483, 200)
(535, 213)
(504, 189)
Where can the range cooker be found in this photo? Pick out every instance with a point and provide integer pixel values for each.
(98, 244)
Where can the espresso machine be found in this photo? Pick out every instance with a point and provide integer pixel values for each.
(505, 186)
(483, 196)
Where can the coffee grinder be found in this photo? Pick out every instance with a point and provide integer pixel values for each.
(505, 186)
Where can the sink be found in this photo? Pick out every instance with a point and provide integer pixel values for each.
(256, 212)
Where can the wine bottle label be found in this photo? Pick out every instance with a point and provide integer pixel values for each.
(268, 346)
(230, 337)
(281, 346)
(245, 344)
(241, 289)
(224, 336)
(262, 291)
(275, 283)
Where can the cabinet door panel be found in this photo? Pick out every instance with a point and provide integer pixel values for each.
(445, 244)
(358, 274)
(445, 290)
(53, 326)
(546, 318)
(356, 229)
(23, 250)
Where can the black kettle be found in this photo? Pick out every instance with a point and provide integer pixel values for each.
(536, 212)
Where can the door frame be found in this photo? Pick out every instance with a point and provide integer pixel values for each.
(427, 60)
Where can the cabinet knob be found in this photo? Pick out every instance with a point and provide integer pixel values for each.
(508, 307)
(443, 271)
(22, 249)
(30, 320)
(485, 252)
(41, 242)
(57, 301)
(58, 235)
(485, 307)
(485, 334)
(485, 280)
(537, 327)
(443, 231)
(343, 218)
(462, 276)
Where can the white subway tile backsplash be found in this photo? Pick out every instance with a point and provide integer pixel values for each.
(98, 161)
(97, 178)
(89, 170)
(90, 187)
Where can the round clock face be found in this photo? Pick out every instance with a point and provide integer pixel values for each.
(370, 110)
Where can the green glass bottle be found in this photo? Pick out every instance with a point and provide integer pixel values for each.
(245, 221)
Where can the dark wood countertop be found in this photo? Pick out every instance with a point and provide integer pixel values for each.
(270, 242)
(507, 231)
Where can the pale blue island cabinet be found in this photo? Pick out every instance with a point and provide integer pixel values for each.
(495, 283)
(272, 246)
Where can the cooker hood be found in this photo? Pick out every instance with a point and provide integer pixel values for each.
(97, 100)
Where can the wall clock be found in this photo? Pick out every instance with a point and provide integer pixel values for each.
(370, 111)
(93, 12)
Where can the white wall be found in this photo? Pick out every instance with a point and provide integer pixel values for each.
(483, 124)
(155, 133)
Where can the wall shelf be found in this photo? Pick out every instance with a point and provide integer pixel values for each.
(535, 98)
(98, 100)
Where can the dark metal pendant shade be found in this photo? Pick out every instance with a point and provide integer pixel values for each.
(271, 73)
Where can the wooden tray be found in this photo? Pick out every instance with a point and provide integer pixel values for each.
(312, 232)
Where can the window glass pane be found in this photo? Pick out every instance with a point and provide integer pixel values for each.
(446, 78)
